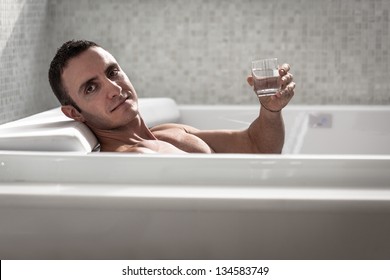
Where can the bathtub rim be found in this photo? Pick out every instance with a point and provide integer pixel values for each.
(198, 155)
(198, 169)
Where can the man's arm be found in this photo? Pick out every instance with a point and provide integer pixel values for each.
(266, 132)
(264, 135)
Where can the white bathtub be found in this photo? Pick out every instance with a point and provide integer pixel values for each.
(309, 129)
(326, 197)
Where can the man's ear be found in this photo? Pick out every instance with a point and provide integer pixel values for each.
(72, 112)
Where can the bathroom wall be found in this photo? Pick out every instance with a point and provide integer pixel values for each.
(24, 38)
(200, 51)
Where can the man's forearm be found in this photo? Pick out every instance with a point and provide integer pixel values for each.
(267, 132)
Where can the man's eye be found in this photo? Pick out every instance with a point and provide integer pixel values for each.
(114, 73)
(90, 89)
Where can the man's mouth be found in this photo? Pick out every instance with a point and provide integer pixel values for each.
(121, 101)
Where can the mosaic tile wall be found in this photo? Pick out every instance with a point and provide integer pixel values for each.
(23, 59)
(199, 51)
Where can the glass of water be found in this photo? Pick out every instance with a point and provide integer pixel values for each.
(265, 75)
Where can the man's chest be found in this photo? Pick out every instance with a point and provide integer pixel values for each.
(183, 140)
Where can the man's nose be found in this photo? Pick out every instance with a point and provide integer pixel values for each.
(112, 88)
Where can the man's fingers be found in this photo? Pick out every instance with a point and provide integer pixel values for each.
(286, 79)
(284, 69)
(289, 90)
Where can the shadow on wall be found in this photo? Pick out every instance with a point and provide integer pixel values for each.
(24, 86)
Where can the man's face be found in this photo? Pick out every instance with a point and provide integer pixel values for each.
(104, 93)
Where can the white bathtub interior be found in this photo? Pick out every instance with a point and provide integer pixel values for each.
(329, 204)
(309, 129)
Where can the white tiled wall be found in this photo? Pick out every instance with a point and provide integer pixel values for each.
(200, 51)
(24, 38)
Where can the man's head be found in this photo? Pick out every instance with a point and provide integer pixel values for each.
(66, 52)
(91, 86)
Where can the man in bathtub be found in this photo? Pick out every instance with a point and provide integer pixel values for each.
(93, 89)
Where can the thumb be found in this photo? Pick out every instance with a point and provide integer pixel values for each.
(249, 79)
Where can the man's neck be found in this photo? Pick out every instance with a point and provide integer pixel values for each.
(129, 135)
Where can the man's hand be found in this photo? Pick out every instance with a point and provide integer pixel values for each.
(277, 102)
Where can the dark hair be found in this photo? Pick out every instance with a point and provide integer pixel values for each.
(67, 51)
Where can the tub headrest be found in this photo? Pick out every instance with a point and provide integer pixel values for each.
(156, 111)
(53, 131)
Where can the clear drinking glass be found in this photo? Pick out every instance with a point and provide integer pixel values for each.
(265, 75)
